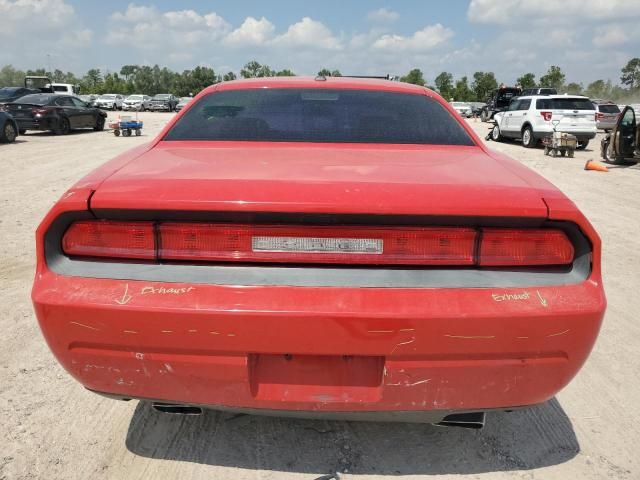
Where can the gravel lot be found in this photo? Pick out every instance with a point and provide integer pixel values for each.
(52, 428)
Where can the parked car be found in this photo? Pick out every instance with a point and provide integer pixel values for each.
(110, 101)
(58, 113)
(528, 92)
(89, 99)
(137, 102)
(476, 108)
(164, 101)
(463, 108)
(9, 94)
(498, 102)
(625, 146)
(251, 258)
(533, 118)
(183, 103)
(65, 89)
(8, 128)
(606, 115)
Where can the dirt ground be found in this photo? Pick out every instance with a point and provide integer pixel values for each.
(52, 428)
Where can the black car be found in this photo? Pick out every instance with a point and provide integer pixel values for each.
(11, 94)
(8, 128)
(58, 113)
(498, 102)
(163, 101)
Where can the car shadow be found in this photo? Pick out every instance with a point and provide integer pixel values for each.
(520, 440)
(49, 133)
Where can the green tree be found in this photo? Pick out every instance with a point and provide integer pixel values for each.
(631, 73)
(92, 81)
(462, 92)
(229, 76)
(254, 69)
(325, 72)
(528, 80)
(483, 84)
(596, 89)
(444, 84)
(415, 77)
(285, 73)
(554, 78)
(127, 71)
(336, 73)
(10, 77)
(573, 88)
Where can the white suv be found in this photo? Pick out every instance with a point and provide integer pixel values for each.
(111, 101)
(534, 117)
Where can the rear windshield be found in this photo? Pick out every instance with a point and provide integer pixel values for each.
(35, 99)
(108, 97)
(608, 108)
(320, 115)
(162, 96)
(565, 104)
(7, 92)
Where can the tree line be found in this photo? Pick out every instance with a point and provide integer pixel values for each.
(482, 84)
(151, 80)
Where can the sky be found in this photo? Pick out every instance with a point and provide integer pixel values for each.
(589, 39)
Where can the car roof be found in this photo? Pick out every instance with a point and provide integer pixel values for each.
(347, 83)
(551, 96)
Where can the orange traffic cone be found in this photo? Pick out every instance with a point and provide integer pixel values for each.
(597, 166)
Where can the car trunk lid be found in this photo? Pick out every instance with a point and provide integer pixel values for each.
(315, 178)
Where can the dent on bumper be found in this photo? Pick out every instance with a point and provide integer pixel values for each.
(319, 349)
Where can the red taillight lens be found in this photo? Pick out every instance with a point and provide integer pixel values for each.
(508, 247)
(39, 111)
(344, 245)
(599, 115)
(546, 116)
(134, 240)
(348, 245)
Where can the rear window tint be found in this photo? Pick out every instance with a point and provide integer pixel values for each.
(608, 108)
(320, 115)
(565, 104)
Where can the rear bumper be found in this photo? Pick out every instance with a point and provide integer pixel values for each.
(319, 349)
(30, 124)
(166, 108)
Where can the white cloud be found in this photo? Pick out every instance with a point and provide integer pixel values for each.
(612, 36)
(504, 12)
(308, 33)
(423, 40)
(172, 32)
(252, 32)
(33, 29)
(383, 15)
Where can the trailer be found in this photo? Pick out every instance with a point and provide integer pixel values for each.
(127, 127)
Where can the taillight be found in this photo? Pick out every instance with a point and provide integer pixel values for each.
(40, 111)
(546, 116)
(599, 115)
(509, 247)
(348, 245)
(134, 240)
(299, 244)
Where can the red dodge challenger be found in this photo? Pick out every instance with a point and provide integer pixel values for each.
(328, 247)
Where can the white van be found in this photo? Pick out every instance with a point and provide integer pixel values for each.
(65, 89)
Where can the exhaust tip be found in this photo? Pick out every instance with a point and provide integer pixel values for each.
(474, 420)
(176, 409)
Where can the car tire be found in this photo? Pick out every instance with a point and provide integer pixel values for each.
(63, 127)
(495, 133)
(99, 127)
(528, 140)
(9, 133)
(607, 154)
(582, 145)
